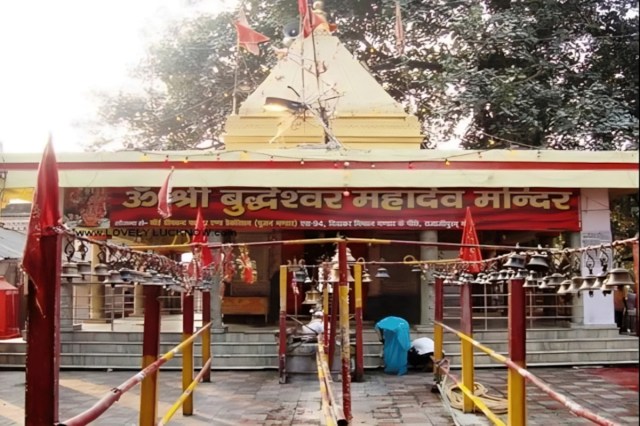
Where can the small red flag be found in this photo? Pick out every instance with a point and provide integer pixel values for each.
(310, 20)
(470, 238)
(164, 197)
(200, 238)
(247, 37)
(45, 214)
(399, 29)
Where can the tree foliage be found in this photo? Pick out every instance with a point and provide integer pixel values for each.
(539, 73)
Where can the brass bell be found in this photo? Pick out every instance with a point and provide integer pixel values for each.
(494, 277)
(101, 271)
(366, 278)
(544, 284)
(574, 287)
(564, 286)
(539, 262)
(504, 275)
(515, 261)
(618, 277)
(312, 297)
(382, 273)
(84, 268)
(531, 281)
(555, 280)
(334, 277)
(70, 271)
(587, 283)
(600, 279)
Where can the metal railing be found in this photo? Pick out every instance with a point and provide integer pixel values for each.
(515, 363)
(149, 373)
(331, 409)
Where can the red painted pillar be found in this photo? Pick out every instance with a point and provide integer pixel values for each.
(187, 352)
(206, 338)
(357, 272)
(150, 352)
(517, 352)
(43, 341)
(345, 353)
(636, 272)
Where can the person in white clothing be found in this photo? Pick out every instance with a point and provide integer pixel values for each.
(315, 327)
(420, 354)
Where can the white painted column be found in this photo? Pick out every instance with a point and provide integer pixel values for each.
(426, 282)
(597, 310)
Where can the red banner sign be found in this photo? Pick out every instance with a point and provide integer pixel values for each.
(492, 209)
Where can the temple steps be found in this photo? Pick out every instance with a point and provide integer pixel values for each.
(258, 348)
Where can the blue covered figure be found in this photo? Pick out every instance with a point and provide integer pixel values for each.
(394, 333)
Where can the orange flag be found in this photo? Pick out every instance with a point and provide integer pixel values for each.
(164, 197)
(45, 214)
(470, 237)
(247, 37)
(200, 238)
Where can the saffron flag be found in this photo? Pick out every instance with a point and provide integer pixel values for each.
(45, 215)
(200, 238)
(247, 37)
(470, 239)
(310, 20)
(399, 29)
(164, 197)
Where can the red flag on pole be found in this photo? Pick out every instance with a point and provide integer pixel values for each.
(247, 37)
(399, 29)
(45, 214)
(200, 238)
(164, 197)
(310, 20)
(470, 237)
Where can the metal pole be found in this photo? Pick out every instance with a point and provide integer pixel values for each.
(466, 327)
(325, 309)
(357, 271)
(333, 326)
(438, 316)
(150, 351)
(344, 329)
(43, 340)
(516, 392)
(187, 353)
(206, 337)
(282, 347)
(636, 272)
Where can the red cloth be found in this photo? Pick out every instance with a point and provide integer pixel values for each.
(164, 197)
(247, 37)
(310, 20)
(469, 236)
(45, 214)
(200, 238)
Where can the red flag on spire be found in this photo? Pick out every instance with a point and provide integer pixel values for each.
(399, 29)
(470, 238)
(164, 197)
(310, 20)
(247, 37)
(200, 238)
(45, 214)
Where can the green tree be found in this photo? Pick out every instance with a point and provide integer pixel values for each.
(539, 73)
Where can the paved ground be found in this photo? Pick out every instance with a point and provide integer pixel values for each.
(256, 398)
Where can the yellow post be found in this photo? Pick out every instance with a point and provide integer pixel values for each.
(466, 328)
(187, 352)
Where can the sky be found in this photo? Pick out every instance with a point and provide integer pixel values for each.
(55, 54)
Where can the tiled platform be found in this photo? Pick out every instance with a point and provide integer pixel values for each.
(256, 398)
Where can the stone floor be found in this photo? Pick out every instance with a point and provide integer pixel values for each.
(256, 398)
